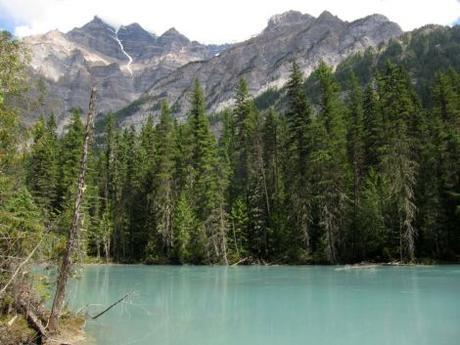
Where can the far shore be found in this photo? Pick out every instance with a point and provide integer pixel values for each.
(362, 265)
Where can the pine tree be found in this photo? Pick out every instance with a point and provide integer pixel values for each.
(146, 159)
(298, 187)
(12, 79)
(239, 223)
(183, 224)
(163, 188)
(356, 156)
(399, 166)
(273, 151)
(373, 128)
(240, 139)
(206, 192)
(256, 189)
(42, 165)
(330, 165)
(249, 182)
(70, 147)
(69, 156)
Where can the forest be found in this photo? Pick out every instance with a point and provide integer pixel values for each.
(366, 174)
(357, 164)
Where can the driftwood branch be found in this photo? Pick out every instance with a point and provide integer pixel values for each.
(110, 307)
(239, 262)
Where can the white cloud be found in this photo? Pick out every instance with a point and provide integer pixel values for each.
(213, 20)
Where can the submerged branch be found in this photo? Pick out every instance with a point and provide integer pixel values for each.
(110, 307)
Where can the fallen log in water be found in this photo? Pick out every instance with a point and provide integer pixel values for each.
(110, 307)
(239, 262)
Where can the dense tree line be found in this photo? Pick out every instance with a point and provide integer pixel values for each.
(364, 173)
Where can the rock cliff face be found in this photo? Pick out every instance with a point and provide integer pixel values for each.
(122, 62)
(265, 60)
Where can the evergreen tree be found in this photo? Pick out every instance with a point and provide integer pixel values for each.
(207, 195)
(399, 166)
(69, 157)
(249, 182)
(329, 162)
(356, 157)
(42, 165)
(257, 190)
(12, 79)
(273, 151)
(70, 147)
(183, 223)
(298, 187)
(373, 128)
(146, 159)
(238, 127)
(163, 188)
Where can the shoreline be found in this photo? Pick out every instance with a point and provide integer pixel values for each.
(356, 265)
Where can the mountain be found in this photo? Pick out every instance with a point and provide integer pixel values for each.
(265, 60)
(122, 62)
(424, 53)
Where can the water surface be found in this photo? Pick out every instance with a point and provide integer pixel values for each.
(272, 305)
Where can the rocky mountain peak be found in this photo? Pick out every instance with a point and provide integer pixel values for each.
(373, 29)
(134, 30)
(374, 18)
(95, 24)
(99, 36)
(328, 17)
(173, 37)
(287, 19)
(138, 42)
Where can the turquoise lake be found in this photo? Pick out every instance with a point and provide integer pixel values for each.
(318, 305)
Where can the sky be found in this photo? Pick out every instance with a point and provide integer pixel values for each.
(210, 21)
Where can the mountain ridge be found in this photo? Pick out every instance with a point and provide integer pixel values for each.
(265, 60)
(135, 69)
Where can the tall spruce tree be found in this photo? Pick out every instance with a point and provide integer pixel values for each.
(400, 110)
(298, 187)
(163, 179)
(330, 164)
(273, 143)
(356, 157)
(207, 195)
(42, 166)
(373, 128)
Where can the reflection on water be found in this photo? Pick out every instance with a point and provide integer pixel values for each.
(271, 305)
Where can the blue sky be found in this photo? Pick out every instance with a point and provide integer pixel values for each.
(6, 22)
(211, 21)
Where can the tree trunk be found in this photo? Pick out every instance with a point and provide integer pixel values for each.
(223, 235)
(64, 272)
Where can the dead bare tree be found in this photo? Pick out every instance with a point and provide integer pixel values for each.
(64, 272)
(19, 267)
